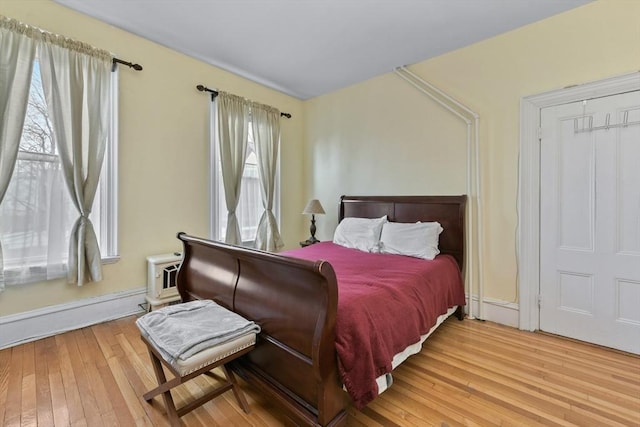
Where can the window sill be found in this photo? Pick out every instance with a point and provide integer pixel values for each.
(52, 276)
(110, 259)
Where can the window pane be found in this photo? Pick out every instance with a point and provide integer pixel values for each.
(249, 207)
(37, 216)
(37, 133)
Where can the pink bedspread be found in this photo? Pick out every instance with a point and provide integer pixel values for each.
(385, 303)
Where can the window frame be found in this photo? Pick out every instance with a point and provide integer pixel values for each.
(110, 252)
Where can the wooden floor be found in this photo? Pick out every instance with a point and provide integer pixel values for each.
(469, 373)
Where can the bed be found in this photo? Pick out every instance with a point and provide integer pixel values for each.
(295, 301)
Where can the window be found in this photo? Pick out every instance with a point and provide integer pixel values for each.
(37, 213)
(250, 207)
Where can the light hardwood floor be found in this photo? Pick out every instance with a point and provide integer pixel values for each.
(469, 373)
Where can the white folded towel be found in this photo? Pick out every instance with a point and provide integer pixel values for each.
(182, 330)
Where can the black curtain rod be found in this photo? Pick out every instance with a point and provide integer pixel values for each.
(116, 61)
(214, 93)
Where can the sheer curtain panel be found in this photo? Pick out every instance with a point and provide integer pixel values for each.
(17, 50)
(266, 136)
(77, 78)
(232, 126)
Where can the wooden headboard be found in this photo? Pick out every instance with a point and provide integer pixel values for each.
(449, 211)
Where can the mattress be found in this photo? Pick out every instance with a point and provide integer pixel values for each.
(386, 305)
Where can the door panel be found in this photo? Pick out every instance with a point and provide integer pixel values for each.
(590, 222)
(575, 292)
(575, 182)
(628, 202)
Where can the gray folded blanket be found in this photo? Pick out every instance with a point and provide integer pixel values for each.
(182, 330)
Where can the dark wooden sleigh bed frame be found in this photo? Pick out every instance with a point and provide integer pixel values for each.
(295, 302)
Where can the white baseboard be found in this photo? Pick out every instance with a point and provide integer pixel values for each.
(41, 323)
(33, 325)
(503, 312)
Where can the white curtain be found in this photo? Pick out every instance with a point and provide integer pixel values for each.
(265, 121)
(233, 127)
(17, 50)
(77, 78)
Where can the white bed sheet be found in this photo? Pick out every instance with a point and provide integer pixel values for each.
(385, 381)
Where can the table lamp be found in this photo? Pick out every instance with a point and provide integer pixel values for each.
(313, 207)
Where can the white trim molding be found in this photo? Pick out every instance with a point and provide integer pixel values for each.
(474, 186)
(528, 245)
(503, 312)
(41, 323)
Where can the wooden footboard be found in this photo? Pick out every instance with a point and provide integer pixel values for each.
(295, 302)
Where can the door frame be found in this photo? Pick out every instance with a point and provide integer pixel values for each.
(528, 201)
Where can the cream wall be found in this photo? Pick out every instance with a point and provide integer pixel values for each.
(377, 137)
(382, 137)
(163, 149)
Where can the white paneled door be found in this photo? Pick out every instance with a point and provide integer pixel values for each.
(590, 221)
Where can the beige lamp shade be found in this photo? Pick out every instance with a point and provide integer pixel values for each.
(313, 207)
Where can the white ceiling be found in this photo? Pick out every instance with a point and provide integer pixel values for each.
(307, 48)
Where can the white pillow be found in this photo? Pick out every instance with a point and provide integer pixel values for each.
(419, 240)
(359, 233)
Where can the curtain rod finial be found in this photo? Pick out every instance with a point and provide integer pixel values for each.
(115, 61)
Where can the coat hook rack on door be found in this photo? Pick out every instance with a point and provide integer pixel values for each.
(607, 124)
